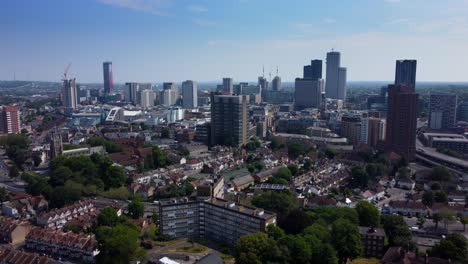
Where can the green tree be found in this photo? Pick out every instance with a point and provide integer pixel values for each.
(464, 221)
(346, 240)
(360, 178)
(330, 153)
(160, 158)
(299, 251)
(115, 177)
(397, 230)
(60, 175)
(108, 217)
(440, 173)
(369, 215)
(136, 208)
(258, 246)
(275, 232)
(14, 172)
(64, 195)
(36, 159)
(454, 247)
(440, 197)
(428, 198)
(447, 216)
(281, 203)
(118, 245)
(295, 150)
(293, 169)
(436, 218)
(3, 194)
(296, 221)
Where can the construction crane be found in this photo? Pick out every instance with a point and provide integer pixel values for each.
(66, 72)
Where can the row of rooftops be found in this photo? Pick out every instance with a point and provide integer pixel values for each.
(79, 241)
(222, 203)
(21, 257)
(80, 205)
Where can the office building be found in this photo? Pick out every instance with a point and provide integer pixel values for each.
(314, 70)
(228, 86)
(213, 218)
(442, 111)
(69, 96)
(189, 94)
(401, 120)
(462, 112)
(453, 142)
(175, 113)
(131, 92)
(405, 73)
(335, 85)
(308, 93)
(147, 98)
(229, 119)
(108, 78)
(276, 83)
(170, 94)
(373, 241)
(10, 117)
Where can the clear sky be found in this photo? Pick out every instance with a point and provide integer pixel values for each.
(205, 40)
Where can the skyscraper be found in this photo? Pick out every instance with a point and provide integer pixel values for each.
(11, 120)
(335, 85)
(314, 70)
(108, 80)
(442, 111)
(147, 98)
(69, 96)
(131, 92)
(189, 94)
(228, 86)
(263, 82)
(308, 90)
(229, 119)
(308, 93)
(401, 120)
(169, 94)
(276, 83)
(405, 73)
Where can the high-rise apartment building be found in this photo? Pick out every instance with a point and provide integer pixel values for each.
(147, 98)
(229, 119)
(314, 70)
(335, 85)
(228, 86)
(462, 112)
(189, 94)
(308, 93)
(405, 73)
(108, 79)
(276, 83)
(376, 131)
(69, 95)
(442, 111)
(10, 117)
(401, 120)
(351, 128)
(213, 218)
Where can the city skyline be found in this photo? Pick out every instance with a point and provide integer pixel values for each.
(171, 33)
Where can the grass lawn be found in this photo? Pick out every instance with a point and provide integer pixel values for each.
(190, 249)
(235, 173)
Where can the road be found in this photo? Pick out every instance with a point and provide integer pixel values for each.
(102, 202)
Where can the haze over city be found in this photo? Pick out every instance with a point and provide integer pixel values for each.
(161, 40)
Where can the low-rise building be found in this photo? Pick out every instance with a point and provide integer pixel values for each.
(23, 205)
(57, 218)
(83, 247)
(373, 241)
(213, 218)
(408, 208)
(14, 256)
(13, 231)
(242, 182)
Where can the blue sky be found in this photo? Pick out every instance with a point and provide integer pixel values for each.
(205, 40)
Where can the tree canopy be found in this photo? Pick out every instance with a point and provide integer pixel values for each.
(368, 214)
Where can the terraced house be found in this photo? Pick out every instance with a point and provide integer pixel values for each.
(57, 218)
